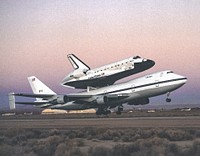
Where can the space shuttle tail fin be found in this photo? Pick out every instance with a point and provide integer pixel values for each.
(77, 63)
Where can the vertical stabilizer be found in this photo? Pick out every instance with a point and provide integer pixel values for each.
(38, 87)
(77, 63)
(11, 98)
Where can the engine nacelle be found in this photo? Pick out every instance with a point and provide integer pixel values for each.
(78, 73)
(60, 99)
(142, 101)
(102, 100)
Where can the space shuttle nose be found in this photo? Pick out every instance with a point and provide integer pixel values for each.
(65, 80)
(150, 63)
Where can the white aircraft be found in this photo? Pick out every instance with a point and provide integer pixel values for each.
(135, 92)
(83, 76)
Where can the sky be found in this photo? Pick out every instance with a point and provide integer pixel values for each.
(36, 36)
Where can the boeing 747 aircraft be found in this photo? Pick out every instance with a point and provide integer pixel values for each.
(135, 92)
(83, 77)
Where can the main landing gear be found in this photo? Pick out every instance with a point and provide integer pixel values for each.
(168, 99)
(102, 111)
(105, 111)
(119, 111)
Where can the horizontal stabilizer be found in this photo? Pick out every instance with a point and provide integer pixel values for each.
(31, 103)
(11, 98)
(35, 95)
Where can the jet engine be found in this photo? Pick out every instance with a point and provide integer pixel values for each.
(60, 99)
(102, 100)
(142, 101)
(106, 99)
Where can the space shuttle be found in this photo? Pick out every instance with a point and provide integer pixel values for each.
(83, 76)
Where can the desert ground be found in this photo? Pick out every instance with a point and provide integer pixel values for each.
(137, 133)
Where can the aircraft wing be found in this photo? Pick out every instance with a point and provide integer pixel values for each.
(86, 96)
(117, 95)
(54, 99)
(51, 99)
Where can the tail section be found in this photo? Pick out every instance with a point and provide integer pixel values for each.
(41, 92)
(38, 87)
(77, 63)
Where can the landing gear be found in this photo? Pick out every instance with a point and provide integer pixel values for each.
(168, 99)
(119, 111)
(107, 112)
(102, 111)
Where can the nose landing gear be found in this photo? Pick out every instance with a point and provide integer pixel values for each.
(168, 99)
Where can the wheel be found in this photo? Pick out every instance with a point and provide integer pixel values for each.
(118, 112)
(168, 100)
(108, 111)
(98, 113)
(120, 108)
(104, 112)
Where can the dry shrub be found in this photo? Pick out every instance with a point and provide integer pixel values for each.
(80, 142)
(80, 134)
(76, 152)
(13, 132)
(67, 150)
(175, 135)
(54, 132)
(62, 150)
(47, 146)
(194, 150)
(122, 149)
(100, 151)
(6, 150)
(197, 133)
(90, 131)
(172, 150)
(140, 142)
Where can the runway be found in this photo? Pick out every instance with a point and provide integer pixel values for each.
(133, 122)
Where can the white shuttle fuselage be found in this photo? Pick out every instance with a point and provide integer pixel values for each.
(83, 76)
